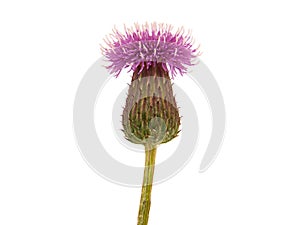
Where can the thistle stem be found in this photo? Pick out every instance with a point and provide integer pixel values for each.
(147, 186)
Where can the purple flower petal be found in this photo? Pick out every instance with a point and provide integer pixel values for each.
(150, 43)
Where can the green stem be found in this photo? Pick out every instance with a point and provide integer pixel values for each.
(147, 186)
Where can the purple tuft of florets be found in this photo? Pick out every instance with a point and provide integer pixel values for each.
(147, 45)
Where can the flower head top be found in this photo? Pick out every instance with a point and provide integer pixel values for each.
(147, 45)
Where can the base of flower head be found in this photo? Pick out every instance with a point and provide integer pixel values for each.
(150, 115)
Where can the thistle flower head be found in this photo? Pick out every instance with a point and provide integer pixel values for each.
(146, 45)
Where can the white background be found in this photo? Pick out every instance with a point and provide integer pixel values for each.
(252, 48)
